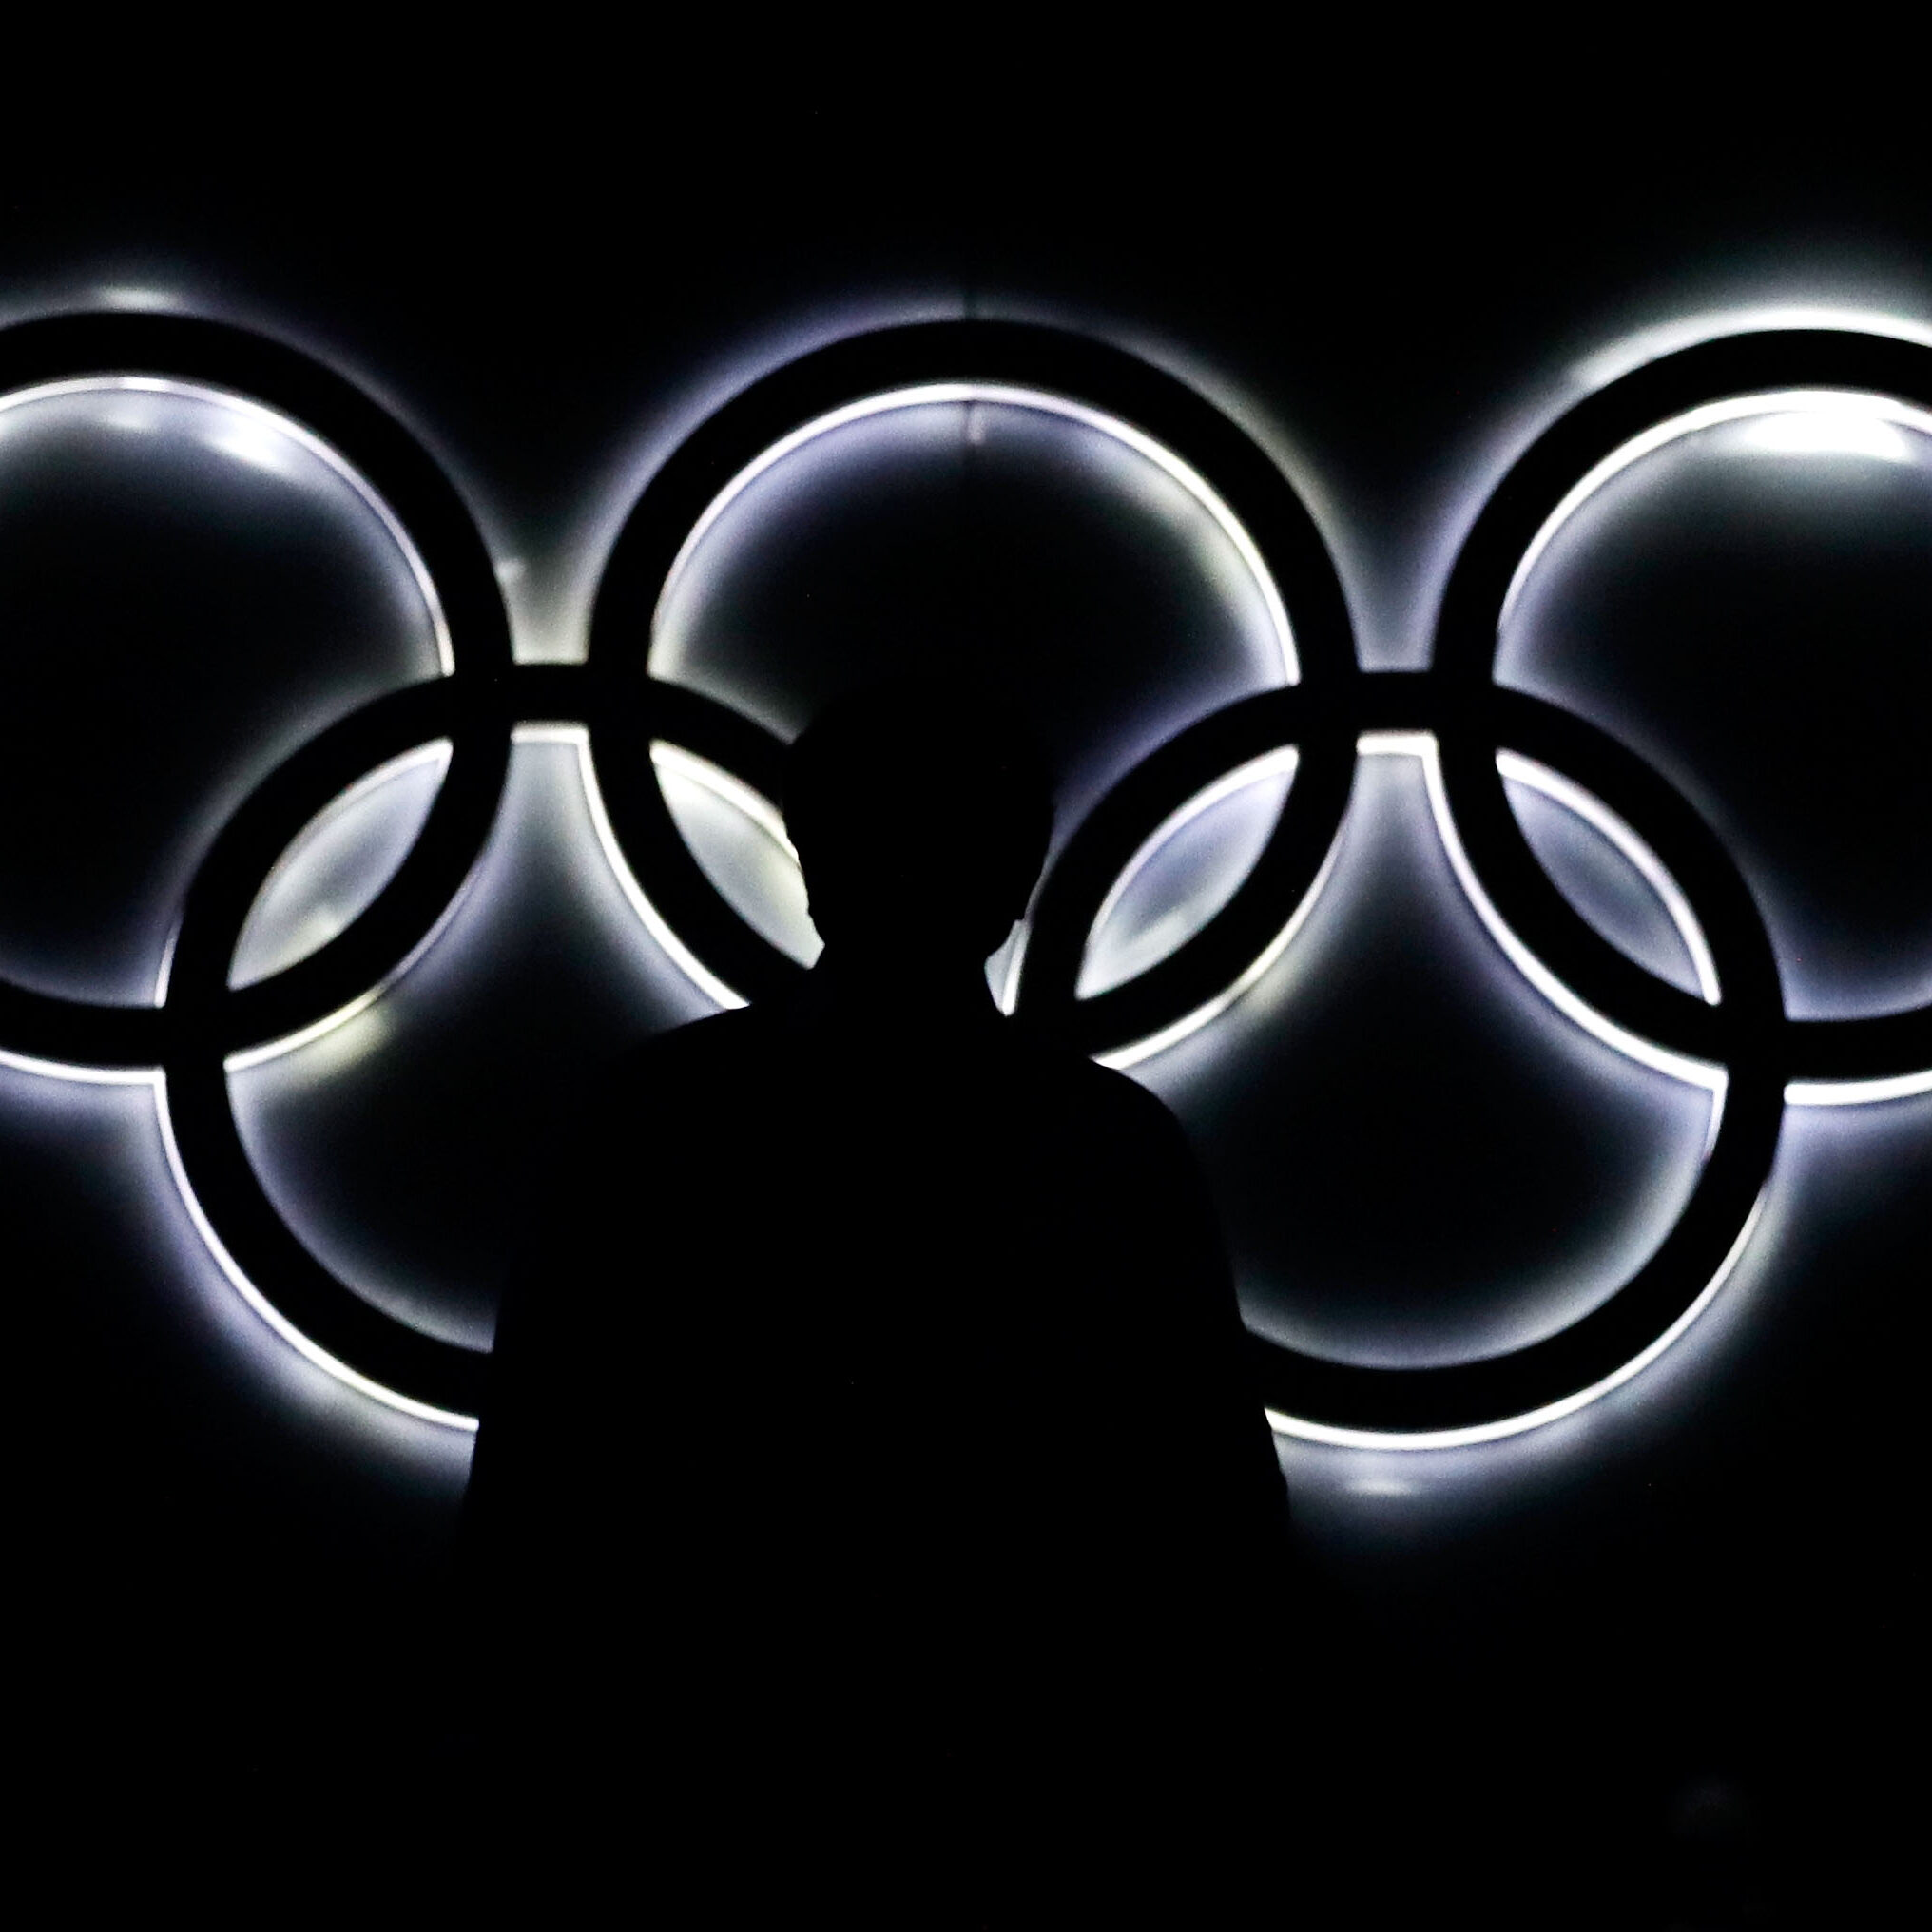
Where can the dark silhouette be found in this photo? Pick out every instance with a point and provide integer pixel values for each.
(869, 1473)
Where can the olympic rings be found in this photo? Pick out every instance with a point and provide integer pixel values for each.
(1737, 1038)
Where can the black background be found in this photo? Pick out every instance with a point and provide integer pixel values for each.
(1667, 1689)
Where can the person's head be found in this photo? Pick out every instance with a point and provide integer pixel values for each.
(921, 814)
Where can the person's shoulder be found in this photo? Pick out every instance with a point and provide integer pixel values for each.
(732, 1031)
(1099, 1096)
(699, 1056)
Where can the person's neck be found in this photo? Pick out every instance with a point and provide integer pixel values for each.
(919, 995)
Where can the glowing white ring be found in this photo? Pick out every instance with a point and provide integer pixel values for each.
(1866, 405)
(1859, 404)
(1046, 403)
(1550, 1412)
(303, 1344)
(260, 414)
(1043, 402)
(1284, 758)
(1869, 406)
(1423, 745)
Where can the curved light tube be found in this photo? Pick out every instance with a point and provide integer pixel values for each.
(1534, 1418)
(1595, 814)
(259, 417)
(1604, 366)
(1856, 1092)
(1852, 406)
(301, 1343)
(1045, 403)
(1284, 758)
(437, 751)
(1422, 745)
(1857, 404)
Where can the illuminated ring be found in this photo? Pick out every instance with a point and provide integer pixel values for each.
(182, 1044)
(1202, 975)
(1884, 1053)
(898, 367)
(1506, 1393)
(1313, 1396)
(407, 482)
(1740, 1026)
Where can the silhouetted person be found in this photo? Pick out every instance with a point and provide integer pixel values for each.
(870, 1494)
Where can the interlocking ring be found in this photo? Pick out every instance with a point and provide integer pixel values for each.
(1735, 1035)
